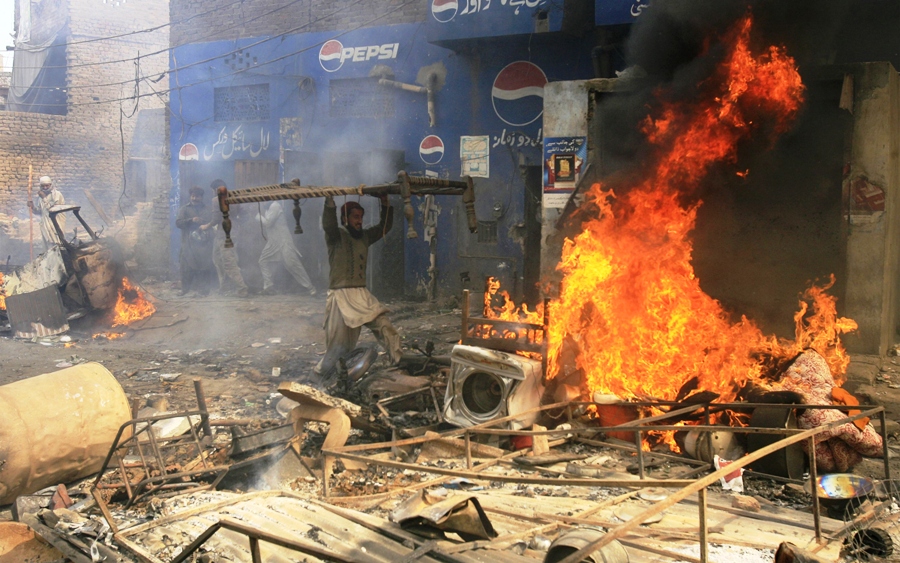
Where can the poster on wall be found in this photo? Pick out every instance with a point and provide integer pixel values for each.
(564, 159)
(474, 155)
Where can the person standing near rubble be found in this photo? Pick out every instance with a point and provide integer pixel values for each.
(280, 248)
(195, 258)
(224, 259)
(349, 304)
(49, 197)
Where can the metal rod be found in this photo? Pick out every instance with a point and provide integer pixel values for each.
(885, 452)
(326, 478)
(201, 406)
(814, 490)
(254, 550)
(468, 450)
(638, 438)
(704, 530)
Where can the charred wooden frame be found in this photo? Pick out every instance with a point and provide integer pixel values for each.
(405, 186)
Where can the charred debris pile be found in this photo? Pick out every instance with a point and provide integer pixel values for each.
(472, 456)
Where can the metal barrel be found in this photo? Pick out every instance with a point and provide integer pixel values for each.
(57, 427)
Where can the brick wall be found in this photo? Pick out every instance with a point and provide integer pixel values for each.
(84, 149)
(212, 20)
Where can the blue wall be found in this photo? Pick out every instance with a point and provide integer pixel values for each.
(298, 70)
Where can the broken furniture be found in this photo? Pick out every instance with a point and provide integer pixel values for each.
(683, 487)
(147, 461)
(406, 186)
(316, 406)
(57, 427)
(84, 273)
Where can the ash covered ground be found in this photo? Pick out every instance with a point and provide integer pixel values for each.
(232, 344)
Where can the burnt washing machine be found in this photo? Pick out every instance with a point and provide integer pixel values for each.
(485, 385)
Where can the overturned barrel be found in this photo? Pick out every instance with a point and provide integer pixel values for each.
(57, 427)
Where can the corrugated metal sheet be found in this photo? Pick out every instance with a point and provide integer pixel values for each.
(279, 514)
(38, 313)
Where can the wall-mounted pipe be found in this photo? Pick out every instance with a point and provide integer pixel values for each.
(432, 119)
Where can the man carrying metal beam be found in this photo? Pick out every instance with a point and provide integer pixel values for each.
(349, 305)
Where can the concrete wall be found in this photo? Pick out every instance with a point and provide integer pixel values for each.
(226, 19)
(873, 242)
(565, 115)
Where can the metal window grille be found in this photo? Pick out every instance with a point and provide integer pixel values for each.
(242, 103)
(487, 232)
(360, 97)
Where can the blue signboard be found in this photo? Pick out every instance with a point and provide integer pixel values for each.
(468, 19)
(612, 12)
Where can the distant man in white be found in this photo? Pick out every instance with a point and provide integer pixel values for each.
(48, 198)
(280, 248)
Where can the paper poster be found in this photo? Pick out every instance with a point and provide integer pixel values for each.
(475, 156)
(564, 159)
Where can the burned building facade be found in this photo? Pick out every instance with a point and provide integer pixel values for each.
(344, 93)
(350, 93)
(82, 110)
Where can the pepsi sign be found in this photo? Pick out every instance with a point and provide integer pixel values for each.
(333, 54)
(518, 93)
(444, 10)
(431, 149)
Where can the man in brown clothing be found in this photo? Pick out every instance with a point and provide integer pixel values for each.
(349, 305)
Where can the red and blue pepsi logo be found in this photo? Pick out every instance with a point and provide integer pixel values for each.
(333, 54)
(330, 55)
(518, 93)
(444, 10)
(431, 149)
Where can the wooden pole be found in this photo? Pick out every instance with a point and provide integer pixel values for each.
(30, 217)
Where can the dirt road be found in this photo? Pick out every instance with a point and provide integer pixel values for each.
(230, 343)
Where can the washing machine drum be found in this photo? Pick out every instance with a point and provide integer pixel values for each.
(485, 385)
(483, 394)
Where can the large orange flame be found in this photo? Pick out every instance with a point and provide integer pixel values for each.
(131, 305)
(630, 303)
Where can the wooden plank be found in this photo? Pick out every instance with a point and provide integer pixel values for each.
(97, 207)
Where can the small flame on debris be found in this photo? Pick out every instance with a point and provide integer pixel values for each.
(2, 294)
(131, 305)
(499, 305)
(108, 335)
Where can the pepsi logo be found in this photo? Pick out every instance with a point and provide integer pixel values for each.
(444, 10)
(431, 149)
(188, 151)
(518, 93)
(330, 55)
(333, 54)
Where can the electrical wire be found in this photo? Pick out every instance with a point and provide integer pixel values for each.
(240, 71)
(216, 32)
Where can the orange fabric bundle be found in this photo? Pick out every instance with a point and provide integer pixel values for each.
(841, 397)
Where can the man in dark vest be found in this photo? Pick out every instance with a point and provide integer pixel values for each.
(349, 305)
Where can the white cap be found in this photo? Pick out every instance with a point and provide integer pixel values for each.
(45, 180)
